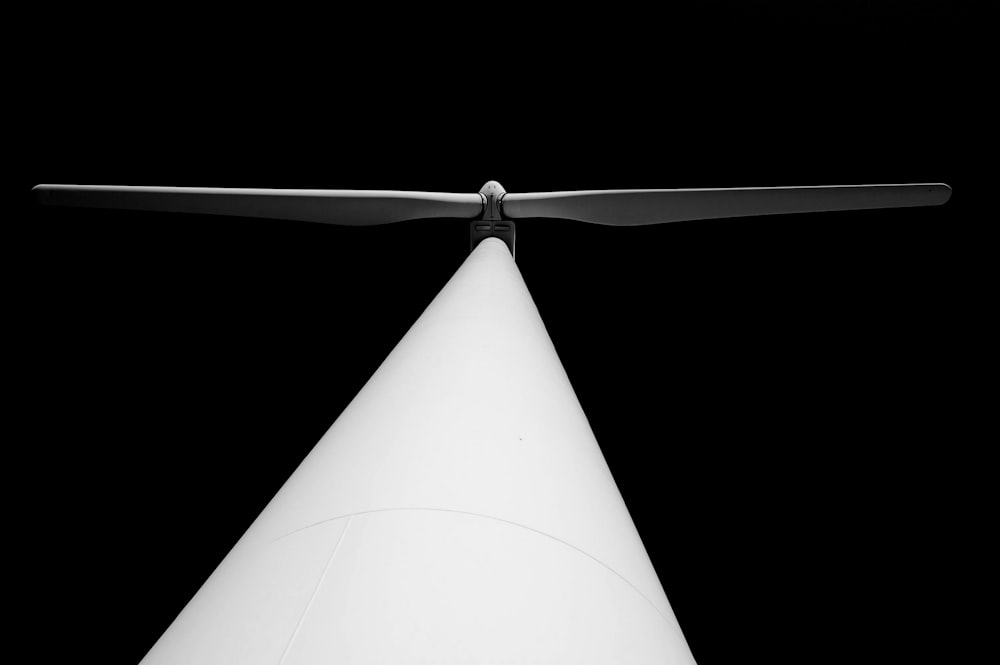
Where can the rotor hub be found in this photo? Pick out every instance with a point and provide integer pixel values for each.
(492, 224)
(492, 193)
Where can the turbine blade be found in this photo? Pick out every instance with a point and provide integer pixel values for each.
(633, 207)
(330, 206)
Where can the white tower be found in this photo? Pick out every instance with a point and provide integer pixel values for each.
(458, 511)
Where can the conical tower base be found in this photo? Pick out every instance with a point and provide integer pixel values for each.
(458, 511)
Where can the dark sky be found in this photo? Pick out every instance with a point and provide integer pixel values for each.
(779, 399)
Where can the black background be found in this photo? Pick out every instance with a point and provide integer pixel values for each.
(781, 400)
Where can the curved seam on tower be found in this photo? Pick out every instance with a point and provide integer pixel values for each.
(312, 598)
(496, 519)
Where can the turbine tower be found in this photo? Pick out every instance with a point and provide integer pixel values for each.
(459, 510)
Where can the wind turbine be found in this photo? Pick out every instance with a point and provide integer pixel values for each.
(459, 510)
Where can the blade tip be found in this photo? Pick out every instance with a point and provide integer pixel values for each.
(41, 193)
(944, 190)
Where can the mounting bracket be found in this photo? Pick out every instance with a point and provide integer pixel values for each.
(492, 224)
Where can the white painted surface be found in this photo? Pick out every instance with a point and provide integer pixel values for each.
(458, 511)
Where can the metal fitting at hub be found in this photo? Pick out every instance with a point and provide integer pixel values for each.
(492, 224)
